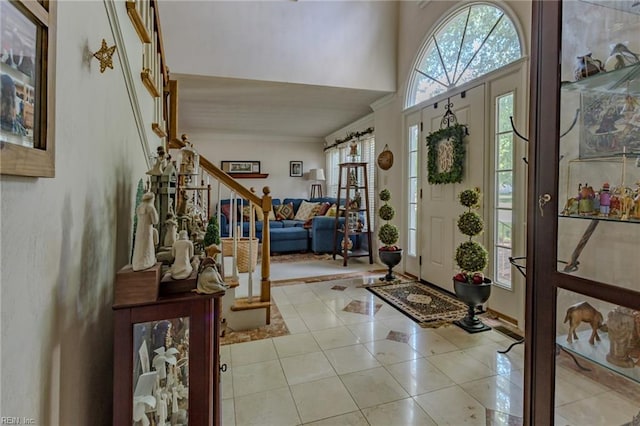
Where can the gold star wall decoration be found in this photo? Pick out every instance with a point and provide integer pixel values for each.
(105, 56)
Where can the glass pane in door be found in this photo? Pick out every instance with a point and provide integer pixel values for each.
(597, 362)
(599, 149)
(161, 372)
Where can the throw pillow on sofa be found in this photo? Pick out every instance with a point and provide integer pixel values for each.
(323, 209)
(246, 213)
(225, 209)
(305, 211)
(333, 211)
(284, 211)
(260, 214)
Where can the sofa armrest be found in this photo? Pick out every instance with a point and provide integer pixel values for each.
(324, 222)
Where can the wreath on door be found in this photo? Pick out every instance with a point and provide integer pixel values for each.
(445, 154)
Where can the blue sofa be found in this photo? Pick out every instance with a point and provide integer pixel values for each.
(292, 235)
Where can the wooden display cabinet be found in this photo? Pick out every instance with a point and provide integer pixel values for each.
(584, 133)
(166, 361)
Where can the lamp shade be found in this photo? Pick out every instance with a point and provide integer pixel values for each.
(316, 174)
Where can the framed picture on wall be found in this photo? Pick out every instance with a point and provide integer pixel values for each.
(240, 166)
(26, 115)
(295, 168)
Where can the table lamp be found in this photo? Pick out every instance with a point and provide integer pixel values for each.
(316, 188)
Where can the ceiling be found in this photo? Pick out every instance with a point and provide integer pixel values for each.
(272, 109)
(281, 70)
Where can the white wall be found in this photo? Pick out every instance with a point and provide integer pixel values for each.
(415, 24)
(274, 155)
(326, 43)
(64, 238)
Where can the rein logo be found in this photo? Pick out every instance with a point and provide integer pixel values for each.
(5, 420)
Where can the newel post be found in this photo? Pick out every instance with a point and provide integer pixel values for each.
(265, 293)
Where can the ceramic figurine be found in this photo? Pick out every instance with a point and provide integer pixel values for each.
(209, 279)
(605, 200)
(353, 151)
(171, 234)
(160, 164)
(184, 203)
(585, 199)
(587, 66)
(634, 344)
(182, 251)
(144, 255)
(349, 243)
(571, 207)
(621, 326)
(353, 178)
(626, 203)
(170, 168)
(620, 57)
(356, 201)
(583, 312)
(615, 208)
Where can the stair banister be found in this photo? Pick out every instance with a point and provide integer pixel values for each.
(242, 191)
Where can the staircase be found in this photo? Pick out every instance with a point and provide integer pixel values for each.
(245, 306)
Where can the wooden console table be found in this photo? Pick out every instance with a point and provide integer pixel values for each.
(166, 360)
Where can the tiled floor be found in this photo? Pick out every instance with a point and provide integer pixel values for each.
(371, 365)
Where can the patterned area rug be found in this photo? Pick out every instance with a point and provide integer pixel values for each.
(299, 257)
(425, 305)
(276, 328)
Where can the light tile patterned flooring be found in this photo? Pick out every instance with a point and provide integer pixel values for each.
(377, 367)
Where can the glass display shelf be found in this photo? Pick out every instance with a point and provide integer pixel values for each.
(354, 232)
(342, 209)
(597, 352)
(623, 81)
(355, 253)
(599, 218)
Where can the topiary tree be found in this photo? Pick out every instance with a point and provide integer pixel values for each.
(388, 233)
(471, 256)
(212, 236)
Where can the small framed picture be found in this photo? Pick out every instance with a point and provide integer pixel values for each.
(295, 168)
(241, 166)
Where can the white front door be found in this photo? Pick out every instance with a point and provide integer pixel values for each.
(439, 204)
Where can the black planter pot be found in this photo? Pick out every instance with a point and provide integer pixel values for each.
(473, 295)
(391, 259)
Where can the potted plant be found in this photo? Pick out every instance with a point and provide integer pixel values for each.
(212, 236)
(470, 284)
(390, 254)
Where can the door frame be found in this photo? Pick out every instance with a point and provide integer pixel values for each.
(520, 68)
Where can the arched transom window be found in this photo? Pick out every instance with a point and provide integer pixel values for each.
(472, 42)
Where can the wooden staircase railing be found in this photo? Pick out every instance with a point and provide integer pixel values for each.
(263, 202)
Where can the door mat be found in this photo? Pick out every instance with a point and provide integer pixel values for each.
(425, 305)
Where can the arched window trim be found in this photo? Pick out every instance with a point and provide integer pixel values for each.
(414, 72)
